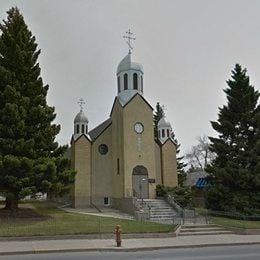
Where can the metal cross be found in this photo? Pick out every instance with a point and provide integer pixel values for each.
(81, 103)
(163, 110)
(128, 40)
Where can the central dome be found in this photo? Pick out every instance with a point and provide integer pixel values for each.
(129, 79)
(127, 64)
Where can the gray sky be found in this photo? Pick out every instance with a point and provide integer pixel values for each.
(187, 48)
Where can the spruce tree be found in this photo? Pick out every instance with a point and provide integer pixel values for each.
(180, 164)
(235, 172)
(158, 114)
(30, 159)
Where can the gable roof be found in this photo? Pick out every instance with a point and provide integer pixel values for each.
(124, 105)
(82, 135)
(116, 99)
(97, 131)
(168, 139)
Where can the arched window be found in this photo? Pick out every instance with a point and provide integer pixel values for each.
(135, 81)
(168, 133)
(82, 129)
(163, 133)
(125, 81)
(86, 129)
(118, 84)
(77, 131)
(142, 83)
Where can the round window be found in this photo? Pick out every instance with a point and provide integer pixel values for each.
(103, 149)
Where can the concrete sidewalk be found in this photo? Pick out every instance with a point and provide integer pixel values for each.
(63, 245)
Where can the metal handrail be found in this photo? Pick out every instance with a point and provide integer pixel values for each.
(175, 204)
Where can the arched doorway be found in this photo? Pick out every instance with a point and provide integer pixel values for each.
(140, 182)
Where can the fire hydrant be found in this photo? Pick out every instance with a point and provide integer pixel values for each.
(118, 232)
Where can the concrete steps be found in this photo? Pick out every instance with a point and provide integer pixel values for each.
(196, 230)
(159, 210)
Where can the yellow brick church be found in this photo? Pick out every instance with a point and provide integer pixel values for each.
(119, 159)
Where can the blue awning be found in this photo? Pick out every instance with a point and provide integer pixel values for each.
(202, 183)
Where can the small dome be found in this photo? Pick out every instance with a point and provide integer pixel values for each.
(80, 118)
(163, 123)
(127, 64)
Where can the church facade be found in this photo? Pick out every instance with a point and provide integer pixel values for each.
(120, 159)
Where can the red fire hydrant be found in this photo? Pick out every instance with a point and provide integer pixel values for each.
(118, 232)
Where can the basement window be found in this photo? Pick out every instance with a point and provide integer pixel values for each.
(106, 201)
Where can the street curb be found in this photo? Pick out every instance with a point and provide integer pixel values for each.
(90, 236)
(122, 249)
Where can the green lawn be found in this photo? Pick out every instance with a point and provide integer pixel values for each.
(230, 222)
(237, 223)
(57, 222)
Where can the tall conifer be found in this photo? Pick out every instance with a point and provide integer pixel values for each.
(30, 159)
(235, 171)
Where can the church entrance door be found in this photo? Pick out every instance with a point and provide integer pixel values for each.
(140, 182)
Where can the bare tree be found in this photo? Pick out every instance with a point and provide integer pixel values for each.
(200, 155)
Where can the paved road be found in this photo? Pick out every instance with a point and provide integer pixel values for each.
(248, 252)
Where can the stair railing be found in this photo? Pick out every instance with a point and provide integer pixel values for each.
(135, 197)
(180, 210)
(144, 207)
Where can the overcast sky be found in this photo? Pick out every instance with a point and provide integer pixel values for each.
(187, 49)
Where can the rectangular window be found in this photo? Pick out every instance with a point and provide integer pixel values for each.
(118, 166)
(106, 201)
(163, 133)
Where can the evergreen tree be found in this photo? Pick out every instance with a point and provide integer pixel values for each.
(159, 113)
(30, 159)
(180, 164)
(235, 172)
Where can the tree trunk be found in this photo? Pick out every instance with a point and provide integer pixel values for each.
(11, 204)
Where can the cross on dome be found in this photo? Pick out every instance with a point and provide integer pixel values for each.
(81, 103)
(128, 40)
(163, 110)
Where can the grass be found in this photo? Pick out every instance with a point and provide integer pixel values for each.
(230, 222)
(236, 223)
(53, 221)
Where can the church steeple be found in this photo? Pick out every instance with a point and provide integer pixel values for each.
(129, 74)
(80, 122)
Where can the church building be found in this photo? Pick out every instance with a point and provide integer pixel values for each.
(120, 159)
